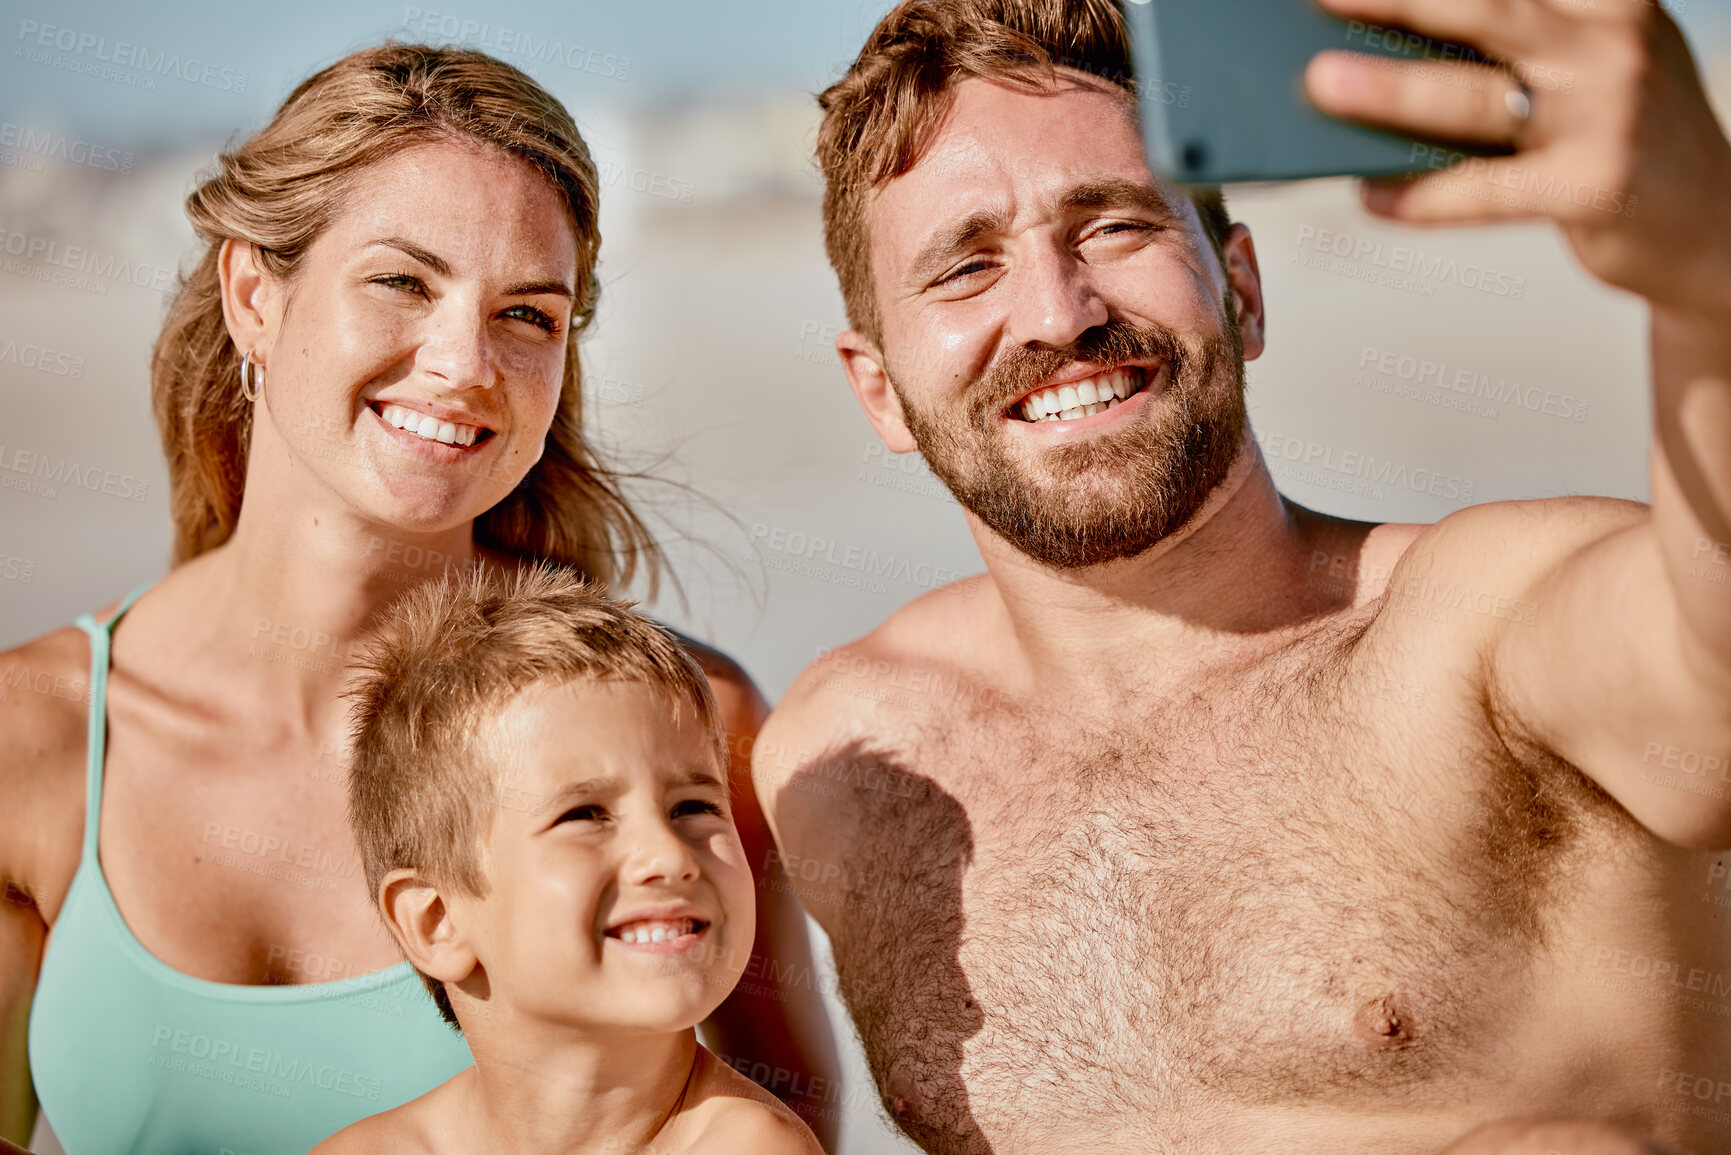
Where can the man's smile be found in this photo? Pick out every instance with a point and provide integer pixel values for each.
(1079, 399)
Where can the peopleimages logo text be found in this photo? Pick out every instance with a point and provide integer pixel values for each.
(125, 54)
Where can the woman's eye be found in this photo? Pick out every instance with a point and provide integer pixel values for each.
(404, 281)
(696, 806)
(583, 814)
(534, 316)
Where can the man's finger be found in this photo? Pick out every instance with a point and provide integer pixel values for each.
(1465, 102)
(1481, 189)
(1502, 28)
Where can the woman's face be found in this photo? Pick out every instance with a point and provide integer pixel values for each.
(413, 362)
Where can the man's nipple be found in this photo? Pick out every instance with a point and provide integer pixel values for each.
(1384, 1024)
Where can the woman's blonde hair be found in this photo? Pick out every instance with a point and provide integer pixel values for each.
(282, 188)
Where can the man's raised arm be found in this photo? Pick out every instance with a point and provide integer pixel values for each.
(1626, 672)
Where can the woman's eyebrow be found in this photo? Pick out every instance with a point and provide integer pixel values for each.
(426, 256)
(443, 267)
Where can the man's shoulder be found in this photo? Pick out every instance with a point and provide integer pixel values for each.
(1508, 543)
(926, 654)
(1455, 585)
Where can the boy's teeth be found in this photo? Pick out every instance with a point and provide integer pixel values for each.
(659, 931)
(428, 427)
(1083, 398)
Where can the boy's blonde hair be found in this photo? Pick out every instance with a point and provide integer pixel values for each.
(447, 656)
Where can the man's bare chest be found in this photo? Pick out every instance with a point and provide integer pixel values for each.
(1250, 898)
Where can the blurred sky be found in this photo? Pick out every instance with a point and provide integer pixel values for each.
(676, 49)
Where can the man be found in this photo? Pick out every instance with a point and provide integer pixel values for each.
(1209, 823)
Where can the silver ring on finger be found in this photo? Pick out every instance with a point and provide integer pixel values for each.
(1519, 100)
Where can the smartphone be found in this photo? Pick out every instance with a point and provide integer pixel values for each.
(1221, 86)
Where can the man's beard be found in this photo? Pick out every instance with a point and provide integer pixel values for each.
(1113, 495)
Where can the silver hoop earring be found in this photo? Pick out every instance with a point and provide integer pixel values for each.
(251, 379)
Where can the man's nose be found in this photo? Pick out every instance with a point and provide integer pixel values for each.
(457, 347)
(659, 854)
(1054, 300)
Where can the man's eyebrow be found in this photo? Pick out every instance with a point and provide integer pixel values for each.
(1118, 193)
(946, 243)
(443, 267)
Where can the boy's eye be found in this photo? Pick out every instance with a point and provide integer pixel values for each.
(583, 814)
(696, 806)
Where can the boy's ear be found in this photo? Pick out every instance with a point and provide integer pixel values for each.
(863, 363)
(421, 921)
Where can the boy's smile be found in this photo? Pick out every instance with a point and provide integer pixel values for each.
(599, 900)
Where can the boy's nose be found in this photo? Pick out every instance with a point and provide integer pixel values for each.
(658, 854)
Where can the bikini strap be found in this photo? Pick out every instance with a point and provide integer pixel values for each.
(96, 740)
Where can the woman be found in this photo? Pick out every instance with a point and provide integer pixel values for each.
(378, 351)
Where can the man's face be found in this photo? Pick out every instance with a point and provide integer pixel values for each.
(1053, 325)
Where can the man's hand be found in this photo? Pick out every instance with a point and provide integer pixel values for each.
(1553, 1137)
(1620, 148)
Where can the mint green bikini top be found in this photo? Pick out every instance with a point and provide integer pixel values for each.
(132, 1057)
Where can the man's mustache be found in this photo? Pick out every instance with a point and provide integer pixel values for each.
(1023, 369)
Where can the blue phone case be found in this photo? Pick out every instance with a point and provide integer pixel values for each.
(1221, 86)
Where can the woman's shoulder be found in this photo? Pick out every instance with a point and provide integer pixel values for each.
(44, 717)
(736, 694)
(733, 1113)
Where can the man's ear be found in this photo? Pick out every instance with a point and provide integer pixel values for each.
(247, 299)
(1245, 279)
(421, 921)
(864, 365)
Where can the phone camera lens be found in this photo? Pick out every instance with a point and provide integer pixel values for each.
(1195, 156)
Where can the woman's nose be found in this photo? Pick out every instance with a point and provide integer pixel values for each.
(455, 346)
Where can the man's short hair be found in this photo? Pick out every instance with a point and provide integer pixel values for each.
(448, 656)
(879, 119)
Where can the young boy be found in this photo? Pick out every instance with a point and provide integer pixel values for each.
(540, 798)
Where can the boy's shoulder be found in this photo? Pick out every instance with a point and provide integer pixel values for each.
(729, 1113)
(411, 1129)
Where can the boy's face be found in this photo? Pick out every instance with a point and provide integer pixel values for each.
(619, 894)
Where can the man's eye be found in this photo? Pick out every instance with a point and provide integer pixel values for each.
(583, 814)
(966, 270)
(696, 806)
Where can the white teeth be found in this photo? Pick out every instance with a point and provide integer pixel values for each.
(664, 931)
(1083, 398)
(429, 427)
